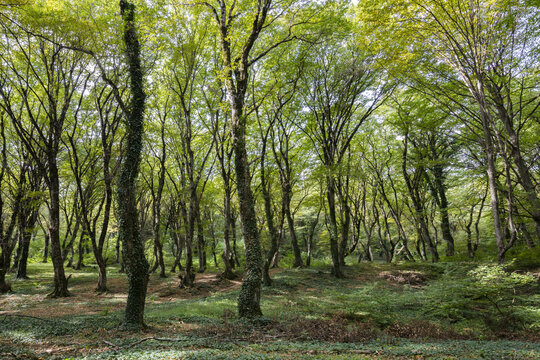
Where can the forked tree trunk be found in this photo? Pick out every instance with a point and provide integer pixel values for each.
(27, 224)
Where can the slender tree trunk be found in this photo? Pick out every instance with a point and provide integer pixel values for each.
(311, 235)
(80, 252)
(368, 231)
(286, 201)
(419, 208)
(117, 247)
(281, 239)
(525, 178)
(17, 255)
(345, 229)
(492, 183)
(201, 244)
(271, 227)
(45, 247)
(443, 207)
(491, 169)
(60, 280)
(227, 255)
(234, 237)
(187, 280)
(334, 250)
(156, 225)
(28, 217)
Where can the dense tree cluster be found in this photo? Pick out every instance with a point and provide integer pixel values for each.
(145, 134)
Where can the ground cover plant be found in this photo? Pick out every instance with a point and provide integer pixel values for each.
(377, 311)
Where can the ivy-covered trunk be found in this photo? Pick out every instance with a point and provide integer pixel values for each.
(136, 265)
(250, 294)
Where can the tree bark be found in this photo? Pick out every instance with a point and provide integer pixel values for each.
(525, 178)
(201, 244)
(60, 280)
(298, 263)
(45, 247)
(136, 265)
(26, 236)
(265, 187)
(334, 250)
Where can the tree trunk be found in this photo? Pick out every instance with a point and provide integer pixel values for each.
(233, 233)
(80, 253)
(60, 280)
(27, 221)
(250, 293)
(492, 183)
(286, 201)
(311, 235)
(345, 229)
(156, 209)
(334, 250)
(4, 286)
(443, 207)
(271, 228)
(412, 187)
(17, 255)
(187, 280)
(117, 247)
(135, 263)
(201, 245)
(524, 178)
(227, 255)
(45, 248)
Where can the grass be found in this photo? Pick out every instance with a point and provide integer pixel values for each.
(437, 311)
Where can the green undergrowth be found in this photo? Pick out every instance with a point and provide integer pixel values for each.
(448, 310)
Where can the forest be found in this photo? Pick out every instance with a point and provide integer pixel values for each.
(270, 179)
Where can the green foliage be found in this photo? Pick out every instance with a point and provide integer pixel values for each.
(487, 294)
(524, 258)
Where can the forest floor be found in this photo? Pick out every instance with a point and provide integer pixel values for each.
(409, 311)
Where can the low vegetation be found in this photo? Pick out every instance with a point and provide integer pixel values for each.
(446, 310)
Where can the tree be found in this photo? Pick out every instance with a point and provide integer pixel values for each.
(479, 50)
(344, 87)
(8, 221)
(129, 230)
(237, 61)
(50, 77)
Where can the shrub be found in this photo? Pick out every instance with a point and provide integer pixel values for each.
(487, 292)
